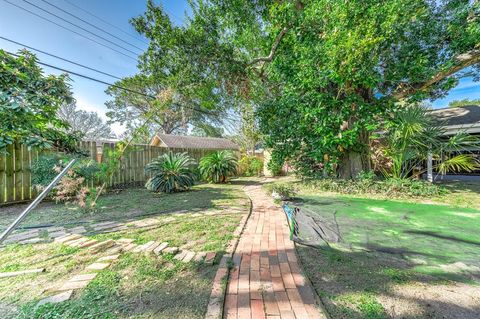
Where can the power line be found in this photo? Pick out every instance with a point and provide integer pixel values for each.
(73, 31)
(104, 82)
(80, 27)
(60, 58)
(104, 21)
(91, 24)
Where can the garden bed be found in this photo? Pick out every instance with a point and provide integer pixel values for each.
(138, 284)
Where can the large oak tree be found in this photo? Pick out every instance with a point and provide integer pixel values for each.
(321, 73)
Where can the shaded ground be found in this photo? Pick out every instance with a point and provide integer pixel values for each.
(123, 205)
(396, 259)
(138, 285)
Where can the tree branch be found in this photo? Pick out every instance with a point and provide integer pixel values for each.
(463, 61)
(269, 58)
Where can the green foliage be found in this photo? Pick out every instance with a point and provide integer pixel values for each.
(412, 133)
(171, 172)
(463, 102)
(320, 74)
(391, 187)
(43, 169)
(218, 166)
(250, 165)
(282, 190)
(29, 102)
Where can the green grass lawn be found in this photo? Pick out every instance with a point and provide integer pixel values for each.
(137, 285)
(394, 255)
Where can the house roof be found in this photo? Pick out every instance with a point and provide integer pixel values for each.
(196, 142)
(452, 116)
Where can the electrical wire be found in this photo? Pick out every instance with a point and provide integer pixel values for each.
(60, 58)
(80, 27)
(104, 82)
(104, 21)
(91, 24)
(73, 31)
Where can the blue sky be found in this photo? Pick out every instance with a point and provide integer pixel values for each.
(25, 28)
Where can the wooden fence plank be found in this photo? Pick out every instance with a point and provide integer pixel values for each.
(9, 175)
(2, 178)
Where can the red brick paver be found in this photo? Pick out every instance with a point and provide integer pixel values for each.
(266, 281)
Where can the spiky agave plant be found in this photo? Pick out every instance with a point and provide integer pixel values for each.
(218, 166)
(171, 172)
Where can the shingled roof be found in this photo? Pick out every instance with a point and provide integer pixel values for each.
(454, 118)
(195, 142)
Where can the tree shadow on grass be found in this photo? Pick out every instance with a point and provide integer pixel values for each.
(125, 205)
(437, 235)
(382, 284)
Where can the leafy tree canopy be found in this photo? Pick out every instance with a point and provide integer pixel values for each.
(464, 102)
(321, 73)
(87, 124)
(29, 101)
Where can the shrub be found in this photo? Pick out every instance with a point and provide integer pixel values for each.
(218, 166)
(389, 187)
(171, 172)
(250, 166)
(282, 191)
(44, 170)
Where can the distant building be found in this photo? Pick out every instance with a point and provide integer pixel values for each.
(193, 142)
(454, 120)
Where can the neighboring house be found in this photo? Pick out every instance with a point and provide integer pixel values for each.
(193, 142)
(456, 119)
(465, 118)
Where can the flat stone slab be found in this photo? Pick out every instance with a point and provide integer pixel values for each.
(102, 245)
(63, 296)
(57, 234)
(160, 248)
(22, 236)
(143, 247)
(97, 266)
(200, 256)
(73, 285)
(188, 256)
(83, 277)
(107, 226)
(88, 243)
(129, 247)
(171, 250)
(77, 243)
(116, 249)
(180, 255)
(151, 248)
(21, 272)
(109, 258)
(31, 241)
(66, 238)
(210, 257)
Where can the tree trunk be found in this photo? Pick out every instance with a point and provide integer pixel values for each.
(352, 164)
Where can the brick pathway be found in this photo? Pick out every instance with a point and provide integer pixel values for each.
(266, 281)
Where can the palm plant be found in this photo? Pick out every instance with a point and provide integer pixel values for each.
(413, 134)
(217, 166)
(171, 172)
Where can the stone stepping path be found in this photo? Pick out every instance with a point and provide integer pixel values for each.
(266, 280)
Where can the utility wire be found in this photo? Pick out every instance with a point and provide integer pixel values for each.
(105, 21)
(91, 24)
(80, 27)
(73, 31)
(60, 58)
(106, 83)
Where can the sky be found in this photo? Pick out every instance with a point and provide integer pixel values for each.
(28, 29)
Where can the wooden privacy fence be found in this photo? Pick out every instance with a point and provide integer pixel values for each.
(15, 176)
